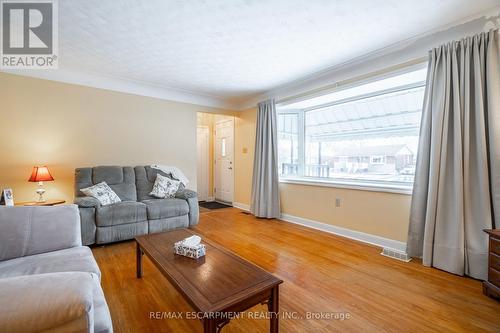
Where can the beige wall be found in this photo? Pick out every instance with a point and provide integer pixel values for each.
(244, 144)
(66, 126)
(377, 213)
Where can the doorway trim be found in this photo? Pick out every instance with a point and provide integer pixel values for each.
(203, 183)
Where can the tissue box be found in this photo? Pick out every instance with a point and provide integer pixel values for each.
(194, 252)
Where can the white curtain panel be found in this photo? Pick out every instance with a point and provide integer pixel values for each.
(457, 182)
(265, 182)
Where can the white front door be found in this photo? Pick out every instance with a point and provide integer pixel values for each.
(224, 166)
(202, 140)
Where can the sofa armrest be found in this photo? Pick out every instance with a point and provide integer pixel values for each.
(87, 207)
(192, 199)
(186, 194)
(53, 301)
(87, 202)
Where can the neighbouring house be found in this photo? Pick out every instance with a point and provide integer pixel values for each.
(374, 159)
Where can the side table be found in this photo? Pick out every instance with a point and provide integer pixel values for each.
(37, 203)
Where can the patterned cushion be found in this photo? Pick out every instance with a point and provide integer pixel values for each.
(164, 187)
(101, 192)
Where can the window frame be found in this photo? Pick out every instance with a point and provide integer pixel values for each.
(356, 184)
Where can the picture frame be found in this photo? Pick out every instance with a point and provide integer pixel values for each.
(7, 197)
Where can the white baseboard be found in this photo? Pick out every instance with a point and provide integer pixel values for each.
(333, 229)
(348, 233)
(241, 206)
(210, 199)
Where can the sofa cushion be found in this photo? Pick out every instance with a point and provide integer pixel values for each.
(75, 259)
(120, 179)
(55, 302)
(110, 174)
(121, 213)
(163, 208)
(28, 230)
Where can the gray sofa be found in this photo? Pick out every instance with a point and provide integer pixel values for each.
(138, 213)
(48, 281)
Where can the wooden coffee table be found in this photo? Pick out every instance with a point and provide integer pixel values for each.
(218, 285)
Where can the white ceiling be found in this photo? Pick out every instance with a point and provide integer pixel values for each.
(237, 48)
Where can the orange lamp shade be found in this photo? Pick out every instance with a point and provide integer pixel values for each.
(40, 174)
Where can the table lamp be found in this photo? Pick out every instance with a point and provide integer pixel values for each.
(40, 174)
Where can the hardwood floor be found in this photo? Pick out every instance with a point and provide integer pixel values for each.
(323, 273)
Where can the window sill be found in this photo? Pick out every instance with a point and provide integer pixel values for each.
(374, 187)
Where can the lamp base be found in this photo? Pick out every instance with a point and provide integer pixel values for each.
(40, 191)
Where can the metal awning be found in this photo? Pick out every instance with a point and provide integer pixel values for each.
(392, 114)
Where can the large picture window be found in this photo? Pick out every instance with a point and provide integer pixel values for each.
(366, 134)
